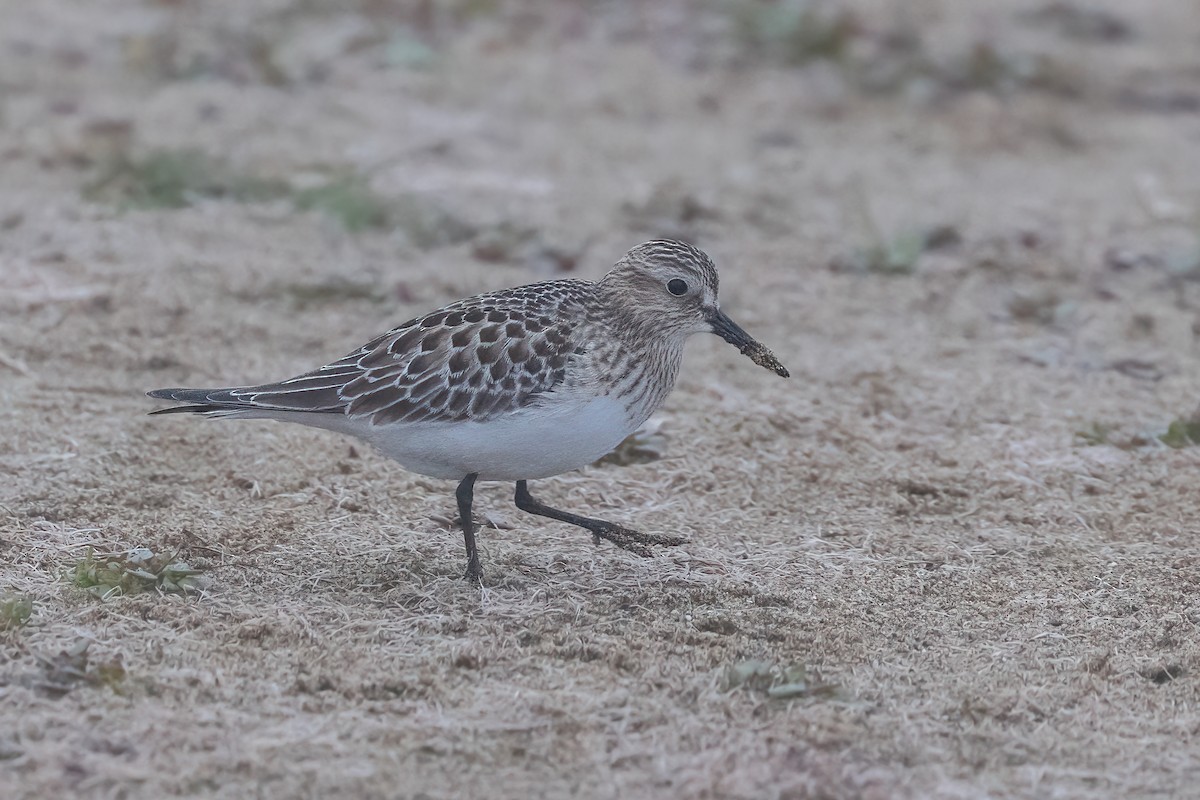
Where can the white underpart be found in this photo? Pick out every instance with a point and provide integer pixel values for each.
(525, 445)
(558, 435)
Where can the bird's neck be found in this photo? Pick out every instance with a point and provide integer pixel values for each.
(643, 366)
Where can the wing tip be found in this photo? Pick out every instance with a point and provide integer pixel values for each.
(197, 400)
(226, 402)
(195, 409)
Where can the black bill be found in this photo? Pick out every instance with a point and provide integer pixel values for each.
(731, 332)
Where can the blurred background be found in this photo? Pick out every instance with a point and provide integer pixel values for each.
(876, 133)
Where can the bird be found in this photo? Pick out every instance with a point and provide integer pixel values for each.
(514, 385)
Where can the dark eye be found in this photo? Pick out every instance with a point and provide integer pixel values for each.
(677, 287)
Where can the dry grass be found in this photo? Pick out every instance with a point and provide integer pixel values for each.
(954, 556)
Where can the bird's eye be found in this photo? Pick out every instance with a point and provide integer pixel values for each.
(677, 287)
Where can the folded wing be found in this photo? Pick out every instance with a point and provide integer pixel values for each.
(475, 359)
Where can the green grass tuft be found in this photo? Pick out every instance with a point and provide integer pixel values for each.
(176, 179)
(1095, 434)
(132, 571)
(67, 669)
(897, 255)
(15, 611)
(793, 32)
(1182, 433)
(348, 199)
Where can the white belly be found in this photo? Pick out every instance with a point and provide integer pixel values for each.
(526, 445)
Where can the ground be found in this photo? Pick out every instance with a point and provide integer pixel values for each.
(955, 555)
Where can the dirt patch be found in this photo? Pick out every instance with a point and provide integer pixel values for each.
(954, 555)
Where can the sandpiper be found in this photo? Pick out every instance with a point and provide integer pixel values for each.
(513, 385)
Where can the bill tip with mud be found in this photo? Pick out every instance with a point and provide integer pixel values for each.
(765, 358)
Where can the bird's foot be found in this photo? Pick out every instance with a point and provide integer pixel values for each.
(633, 541)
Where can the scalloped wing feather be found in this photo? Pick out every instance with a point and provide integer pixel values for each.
(472, 360)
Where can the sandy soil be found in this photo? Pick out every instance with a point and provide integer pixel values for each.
(951, 557)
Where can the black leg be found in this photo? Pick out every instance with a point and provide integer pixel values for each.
(624, 538)
(464, 494)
